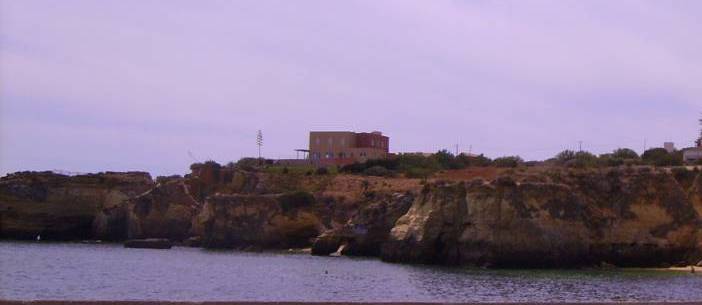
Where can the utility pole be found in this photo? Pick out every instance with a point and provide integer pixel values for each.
(644, 145)
(259, 142)
(580, 146)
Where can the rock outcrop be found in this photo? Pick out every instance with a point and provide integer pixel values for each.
(582, 218)
(60, 207)
(260, 221)
(166, 211)
(365, 233)
(541, 218)
(149, 243)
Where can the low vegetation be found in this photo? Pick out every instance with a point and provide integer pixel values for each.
(421, 166)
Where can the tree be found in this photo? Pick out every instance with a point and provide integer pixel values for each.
(444, 158)
(661, 157)
(624, 154)
(576, 159)
(565, 156)
(583, 159)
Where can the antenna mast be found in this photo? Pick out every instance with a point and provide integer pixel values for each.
(259, 142)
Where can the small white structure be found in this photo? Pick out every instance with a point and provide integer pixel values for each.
(669, 147)
(692, 155)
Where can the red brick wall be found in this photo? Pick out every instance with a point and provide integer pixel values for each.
(371, 140)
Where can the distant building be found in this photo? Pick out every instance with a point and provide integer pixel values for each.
(692, 155)
(346, 147)
(669, 147)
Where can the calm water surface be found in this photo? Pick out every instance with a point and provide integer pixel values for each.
(110, 272)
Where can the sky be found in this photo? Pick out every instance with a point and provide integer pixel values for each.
(88, 86)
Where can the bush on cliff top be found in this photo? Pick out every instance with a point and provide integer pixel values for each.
(661, 157)
(378, 171)
(419, 166)
(509, 161)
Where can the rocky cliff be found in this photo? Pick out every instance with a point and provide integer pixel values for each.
(529, 218)
(579, 218)
(260, 221)
(165, 211)
(64, 207)
(365, 233)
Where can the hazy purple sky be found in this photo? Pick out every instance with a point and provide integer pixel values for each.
(134, 85)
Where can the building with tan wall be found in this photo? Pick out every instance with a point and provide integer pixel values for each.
(346, 147)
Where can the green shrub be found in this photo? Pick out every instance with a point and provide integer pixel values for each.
(247, 163)
(624, 154)
(661, 157)
(508, 161)
(418, 172)
(377, 171)
(322, 171)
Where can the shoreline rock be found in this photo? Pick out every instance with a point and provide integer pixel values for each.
(149, 243)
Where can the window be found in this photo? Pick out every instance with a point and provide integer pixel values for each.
(329, 140)
(372, 143)
(329, 155)
(343, 141)
(316, 140)
(341, 155)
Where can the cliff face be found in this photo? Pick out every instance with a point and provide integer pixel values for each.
(262, 221)
(67, 207)
(624, 217)
(640, 219)
(365, 233)
(166, 211)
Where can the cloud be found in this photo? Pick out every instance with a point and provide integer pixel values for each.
(507, 77)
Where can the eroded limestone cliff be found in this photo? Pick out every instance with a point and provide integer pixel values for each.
(532, 218)
(579, 218)
(165, 211)
(61, 207)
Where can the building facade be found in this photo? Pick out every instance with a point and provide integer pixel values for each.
(669, 147)
(346, 147)
(692, 155)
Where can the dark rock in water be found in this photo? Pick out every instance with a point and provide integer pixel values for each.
(149, 243)
(195, 241)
